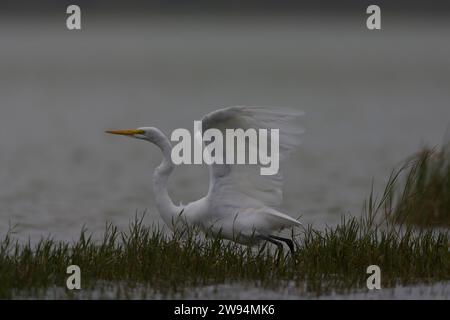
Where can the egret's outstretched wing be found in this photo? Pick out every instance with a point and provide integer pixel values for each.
(237, 182)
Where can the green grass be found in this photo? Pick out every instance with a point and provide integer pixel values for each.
(425, 197)
(332, 259)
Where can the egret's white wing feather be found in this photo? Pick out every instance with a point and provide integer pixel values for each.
(244, 183)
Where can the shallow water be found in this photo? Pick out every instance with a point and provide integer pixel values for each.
(371, 99)
(238, 291)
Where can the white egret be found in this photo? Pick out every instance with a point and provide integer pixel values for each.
(241, 203)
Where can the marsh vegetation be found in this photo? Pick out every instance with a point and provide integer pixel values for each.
(331, 259)
(424, 199)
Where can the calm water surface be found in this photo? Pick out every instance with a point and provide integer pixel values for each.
(371, 99)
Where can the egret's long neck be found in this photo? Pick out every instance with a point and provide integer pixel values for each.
(164, 204)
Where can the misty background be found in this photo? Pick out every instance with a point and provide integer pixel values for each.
(372, 98)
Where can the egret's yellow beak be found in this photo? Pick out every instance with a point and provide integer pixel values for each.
(126, 132)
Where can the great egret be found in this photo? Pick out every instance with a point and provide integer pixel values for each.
(240, 204)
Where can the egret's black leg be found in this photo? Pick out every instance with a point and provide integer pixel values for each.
(289, 242)
(271, 240)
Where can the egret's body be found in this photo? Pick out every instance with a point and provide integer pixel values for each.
(240, 203)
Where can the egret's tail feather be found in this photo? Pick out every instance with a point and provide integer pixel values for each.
(283, 220)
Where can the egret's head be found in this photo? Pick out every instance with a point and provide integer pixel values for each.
(145, 133)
